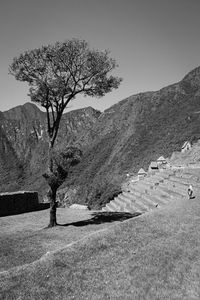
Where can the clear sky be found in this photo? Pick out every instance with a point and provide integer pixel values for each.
(155, 42)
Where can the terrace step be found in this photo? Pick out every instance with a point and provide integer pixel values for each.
(122, 201)
(183, 175)
(153, 195)
(106, 209)
(193, 172)
(111, 206)
(140, 196)
(153, 191)
(157, 189)
(139, 199)
(155, 181)
(141, 185)
(185, 182)
(130, 209)
(158, 193)
(159, 177)
(177, 187)
(156, 199)
(163, 190)
(171, 189)
(166, 173)
(140, 188)
(135, 203)
(172, 193)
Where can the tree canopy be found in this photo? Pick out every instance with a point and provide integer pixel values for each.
(57, 73)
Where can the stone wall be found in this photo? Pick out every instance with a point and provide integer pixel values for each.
(19, 202)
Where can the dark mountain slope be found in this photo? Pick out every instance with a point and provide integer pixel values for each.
(132, 133)
(10, 168)
(23, 126)
(23, 131)
(73, 124)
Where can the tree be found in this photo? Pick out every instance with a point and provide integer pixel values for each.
(62, 162)
(57, 73)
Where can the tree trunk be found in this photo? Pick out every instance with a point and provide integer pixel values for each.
(52, 191)
(52, 199)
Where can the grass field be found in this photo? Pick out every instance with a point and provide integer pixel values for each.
(153, 256)
(24, 238)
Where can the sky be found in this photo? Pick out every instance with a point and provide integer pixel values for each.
(155, 42)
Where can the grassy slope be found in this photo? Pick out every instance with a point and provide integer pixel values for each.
(24, 238)
(154, 256)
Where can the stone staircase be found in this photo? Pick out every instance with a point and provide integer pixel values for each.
(156, 190)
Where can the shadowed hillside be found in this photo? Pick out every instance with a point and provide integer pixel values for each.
(10, 168)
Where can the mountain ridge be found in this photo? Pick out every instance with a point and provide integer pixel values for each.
(123, 138)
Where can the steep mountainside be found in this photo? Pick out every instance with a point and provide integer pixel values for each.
(23, 127)
(10, 169)
(135, 131)
(23, 143)
(124, 138)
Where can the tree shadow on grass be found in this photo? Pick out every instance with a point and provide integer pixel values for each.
(103, 217)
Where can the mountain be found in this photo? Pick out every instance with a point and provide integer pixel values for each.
(10, 169)
(134, 132)
(122, 139)
(23, 143)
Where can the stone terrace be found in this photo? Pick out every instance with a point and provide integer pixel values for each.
(156, 190)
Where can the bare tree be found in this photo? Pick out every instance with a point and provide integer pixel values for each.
(57, 73)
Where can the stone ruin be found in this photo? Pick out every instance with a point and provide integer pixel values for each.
(20, 202)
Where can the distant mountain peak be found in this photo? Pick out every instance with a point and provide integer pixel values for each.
(193, 73)
(193, 77)
(27, 105)
(27, 110)
(30, 105)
